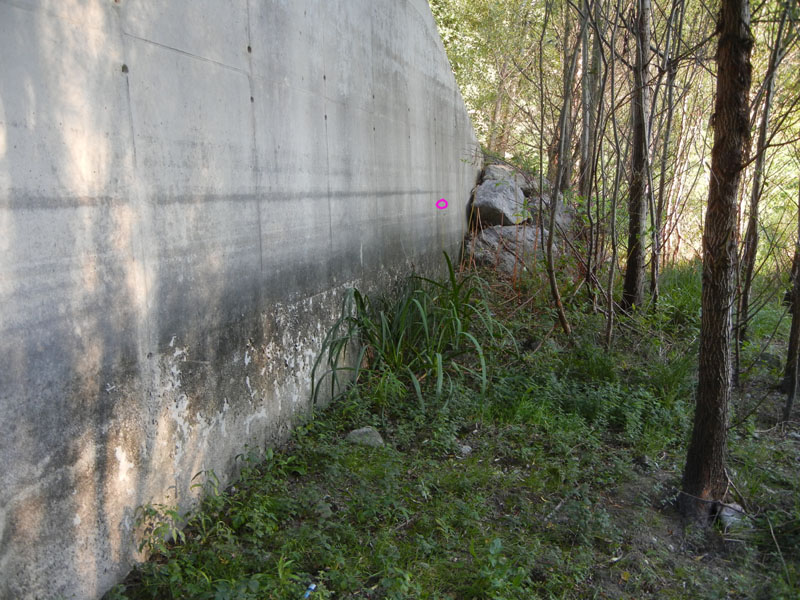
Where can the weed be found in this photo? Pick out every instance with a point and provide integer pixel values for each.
(411, 341)
(159, 525)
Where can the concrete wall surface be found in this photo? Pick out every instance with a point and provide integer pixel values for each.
(186, 188)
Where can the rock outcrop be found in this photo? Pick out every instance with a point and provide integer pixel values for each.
(528, 184)
(503, 219)
(499, 202)
(509, 248)
(506, 196)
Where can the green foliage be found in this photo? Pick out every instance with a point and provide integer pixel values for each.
(575, 458)
(679, 305)
(159, 524)
(412, 341)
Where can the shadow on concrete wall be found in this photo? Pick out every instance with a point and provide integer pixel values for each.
(85, 286)
(174, 240)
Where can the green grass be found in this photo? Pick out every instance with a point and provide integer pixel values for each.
(566, 493)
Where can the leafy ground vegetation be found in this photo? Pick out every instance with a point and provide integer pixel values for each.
(518, 463)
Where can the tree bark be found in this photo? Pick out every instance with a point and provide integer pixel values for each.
(633, 288)
(541, 124)
(617, 176)
(704, 478)
(590, 60)
(592, 85)
(564, 148)
(794, 348)
(794, 334)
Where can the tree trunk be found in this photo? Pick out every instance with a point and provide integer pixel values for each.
(562, 168)
(589, 101)
(541, 123)
(633, 288)
(794, 344)
(590, 95)
(704, 478)
(617, 176)
(491, 145)
(671, 67)
(585, 145)
(794, 334)
(564, 152)
(751, 235)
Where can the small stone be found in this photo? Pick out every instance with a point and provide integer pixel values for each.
(731, 514)
(365, 436)
(464, 450)
(323, 510)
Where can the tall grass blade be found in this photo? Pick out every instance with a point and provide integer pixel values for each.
(439, 375)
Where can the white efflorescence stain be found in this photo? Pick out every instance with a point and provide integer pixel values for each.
(125, 466)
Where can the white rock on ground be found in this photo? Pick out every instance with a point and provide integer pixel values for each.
(731, 514)
(365, 436)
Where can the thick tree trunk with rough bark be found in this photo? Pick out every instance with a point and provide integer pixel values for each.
(633, 288)
(704, 477)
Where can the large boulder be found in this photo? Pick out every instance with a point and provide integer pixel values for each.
(507, 197)
(499, 202)
(507, 248)
(529, 184)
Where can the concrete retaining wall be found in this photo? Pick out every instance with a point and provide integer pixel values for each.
(186, 188)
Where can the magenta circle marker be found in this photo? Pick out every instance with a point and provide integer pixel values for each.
(441, 204)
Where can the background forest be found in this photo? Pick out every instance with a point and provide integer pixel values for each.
(552, 78)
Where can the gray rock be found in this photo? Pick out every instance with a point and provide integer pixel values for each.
(366, 436)
(504, 248)
(498, 172)
(529, 184)
(464, 450)
(499, 202)
(323, 510)
(731, 515)
(564, 214)
(503, 173)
